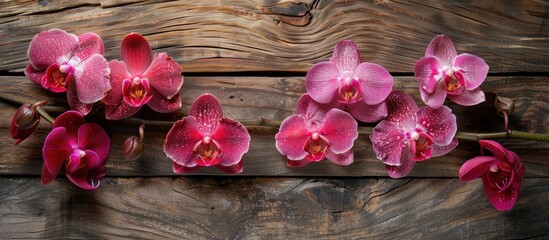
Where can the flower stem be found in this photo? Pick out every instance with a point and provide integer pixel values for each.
(45, 114)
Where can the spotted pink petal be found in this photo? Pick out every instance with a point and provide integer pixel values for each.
(81, 177)
(367, 113)
(71, 121)
(401, 110)
(120, 111)
(182, 169)
(119, 72)
(312, 111)
(473, 69)
(136, 53)
(321, 82)
(440, 124)
(92, 137)
(232, 169)
(443, 48)
(405, 168)
(53, 46)
(469, 97)
(56, 150)
(501, 200)
(375, 82)
(92, 82)
(234, 140)
(438, 151)
(208, 112)
(180, 141)
(425, 71)
(90, 44)
(33, 74)
(476, 167)
(343, 159)
(340, 128)
(346, 55)
(162, 104)
(297, 163)
(388, 143)
(164, 75)
(435, 99)
(292, 137)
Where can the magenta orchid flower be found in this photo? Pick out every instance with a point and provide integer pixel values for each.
(64, 62)
(501, 174)
(410, 134)
(315, 132)
(443, 73)
(141, 79)
(81, 147)
(360, 86)
(206, 138)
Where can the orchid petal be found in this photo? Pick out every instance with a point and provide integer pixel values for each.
(47, 177)
(312, 111)
(407, 164)
(119, 72)
(496, 149)
(340, 128)
(207, 111)
(297, 163)
(426, 71)
(388, 143)
(90, 44)
(162, 104)
(375, 82)
(81, 177)
(439, 124)
(53, 46)
(71, 121)
(92, 137)
(292, 137)
(435, 99)
(72, 164)
(438, 150)
(501, 200)
(367, 113)
(121, 111)
(346, 55)
(136, 53)
(232, 169)
(182, 169)
(164, 75)
(343, 159)
(56, 150)
(442, 47)
(476, 167)
(401, 110)
(234, 140)
(321, 82)
(473, 69)
(181, 140)
(33, 74)
(92, 82)
(469, 97)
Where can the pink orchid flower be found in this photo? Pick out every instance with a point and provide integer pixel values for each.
(501, 174)
(206, 138)
(60, 61)
(81, 147)
(142, 79)
(315, 132)
(410, 134)
(442, 72)
(360, 86)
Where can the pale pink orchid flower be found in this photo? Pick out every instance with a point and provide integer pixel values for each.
(207, 138)
(142, 79)
(81, 148)
(442, 72)
(501, 174)
(360, 86)
(317, 131)
(409, 134)
(64, 62)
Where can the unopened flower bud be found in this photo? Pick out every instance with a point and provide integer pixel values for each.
(25, 121)
(133, 147)
(504, 104)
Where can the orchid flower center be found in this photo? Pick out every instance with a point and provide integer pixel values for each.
(349, 90)
(316, 147)
(136, 91)
(420, 145)
(207, 152)
(453, 82)
(501, 179)
(57, 77)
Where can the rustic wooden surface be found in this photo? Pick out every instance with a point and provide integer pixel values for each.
(253, 55)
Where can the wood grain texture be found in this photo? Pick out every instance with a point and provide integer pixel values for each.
(266, 208)
(289, 36)
(275, 98)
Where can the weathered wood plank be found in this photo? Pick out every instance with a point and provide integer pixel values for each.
(260, 35)
(264, 208)
(275, 98)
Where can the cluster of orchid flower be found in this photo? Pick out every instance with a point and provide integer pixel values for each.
(339, 92)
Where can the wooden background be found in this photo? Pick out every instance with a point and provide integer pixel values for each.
(253, 56)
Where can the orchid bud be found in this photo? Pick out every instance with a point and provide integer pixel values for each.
(25, 121)
(504, 104)
(133, 147)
